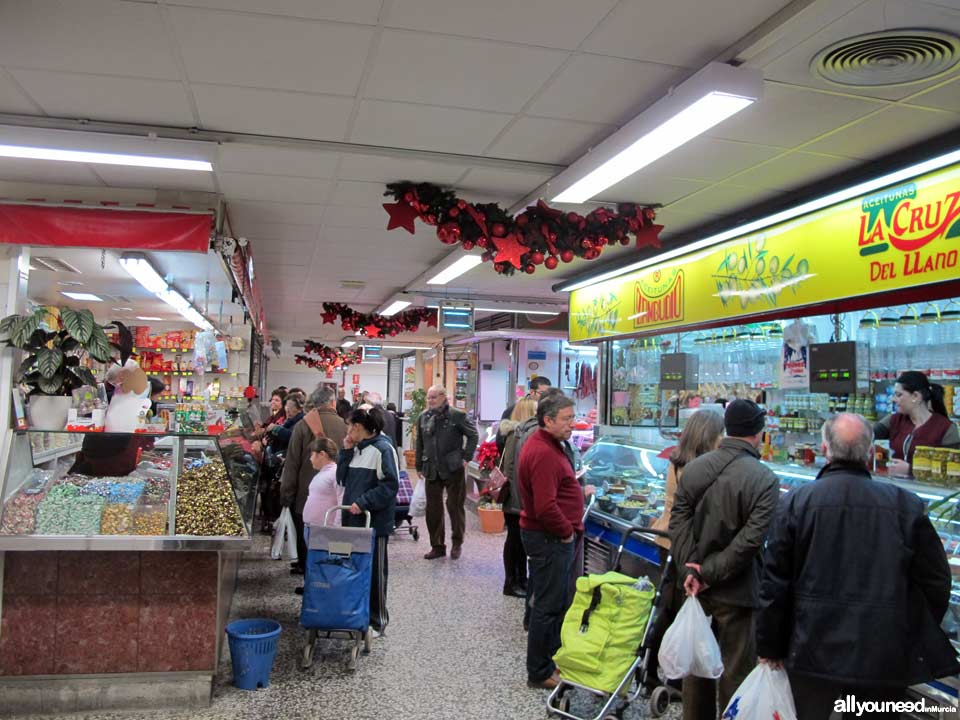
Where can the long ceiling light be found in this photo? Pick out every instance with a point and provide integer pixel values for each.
(144, 273)
(707, 98)
(465, 263)
(395, 307)
(826, 201)
(39, 153)
(518, 311)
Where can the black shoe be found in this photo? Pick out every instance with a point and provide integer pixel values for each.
(434, 554)
(298, 591)
(296, 571)
(515, 591)
(294, 564)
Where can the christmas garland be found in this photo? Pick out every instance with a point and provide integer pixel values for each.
(538, 235)
(329, 358)
(373, 325)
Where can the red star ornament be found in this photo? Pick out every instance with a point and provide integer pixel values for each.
(509, 250)
(648, 236)
(401, 215)
(371, 330)
(432, 319)
(328, 317)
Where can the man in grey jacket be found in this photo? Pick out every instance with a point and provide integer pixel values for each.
(446, 441)
(722, 510)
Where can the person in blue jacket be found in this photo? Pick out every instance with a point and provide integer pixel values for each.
(367, 467)
(283, 433)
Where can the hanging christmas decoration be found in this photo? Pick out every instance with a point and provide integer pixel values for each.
(378, 326)
(540, 235)
(328, 358)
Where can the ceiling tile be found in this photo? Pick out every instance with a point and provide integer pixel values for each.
(650, 189)
(677, 221)
(685, 33)
(520, 21)
(426, 127)
(271, 52)
(66, 173)
(104, 97)
(582, 89)
(503, 181)
(550, 141)
(340, 216)
(793, 171)
(354, 11)
(371, 168)
(270, 112)
(275, 161)
(355, 193)
(890, 130)
(942, 98)
(706, 158)
(245, 211)
(275, 188)
(279, 234)
(794, 66)
(99, 36)
(472, 74)
(788, 117)
(723, 199)
(12, 98)
(135, 177)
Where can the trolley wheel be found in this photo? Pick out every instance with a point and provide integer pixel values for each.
(416, 534)
(367, 642)
(659, 701)
(563, 703)
(354, 654)
(306, 659)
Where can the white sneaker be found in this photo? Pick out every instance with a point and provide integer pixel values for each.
(375, 633)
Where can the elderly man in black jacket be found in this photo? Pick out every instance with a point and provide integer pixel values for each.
(446, 441)
(855, 584)
(721, 512)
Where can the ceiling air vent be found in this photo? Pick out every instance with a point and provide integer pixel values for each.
(890, 57)
(54, 265)
(352, 284)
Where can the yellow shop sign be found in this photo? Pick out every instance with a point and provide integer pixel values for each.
(898, 238)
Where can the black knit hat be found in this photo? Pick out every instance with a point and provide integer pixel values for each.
(744, 418)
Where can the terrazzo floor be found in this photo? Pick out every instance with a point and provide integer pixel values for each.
(454, 649)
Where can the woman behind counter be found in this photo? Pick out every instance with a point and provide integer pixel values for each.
(921, 420)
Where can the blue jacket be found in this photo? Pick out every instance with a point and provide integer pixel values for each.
(370, 478)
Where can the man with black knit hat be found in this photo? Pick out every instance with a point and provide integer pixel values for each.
(721, 513)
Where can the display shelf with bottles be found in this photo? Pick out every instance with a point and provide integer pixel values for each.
(126, 491)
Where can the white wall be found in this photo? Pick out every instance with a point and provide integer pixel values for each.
(284, 371)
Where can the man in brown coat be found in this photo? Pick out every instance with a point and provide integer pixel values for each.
(321, 421)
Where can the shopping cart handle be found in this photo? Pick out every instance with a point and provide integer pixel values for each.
(343, 507)
(652, 531)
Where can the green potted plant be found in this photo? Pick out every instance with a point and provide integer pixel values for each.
(418, 403)
(55, 341)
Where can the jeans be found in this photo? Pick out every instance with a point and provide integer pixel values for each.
(815, 697)
(379, 617)
(547, 589)
(514, 557)
(301, 542)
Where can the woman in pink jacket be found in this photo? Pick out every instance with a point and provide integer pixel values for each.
(324, 493)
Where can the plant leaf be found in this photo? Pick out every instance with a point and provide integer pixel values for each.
(7, 327)
(98, 346)
(70, 344)
(24, 329)
(79, 323)
(50, 362)
(51, 386)
(84, 375)
(26, 365)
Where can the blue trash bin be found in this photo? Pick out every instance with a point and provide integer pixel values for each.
(253, 646)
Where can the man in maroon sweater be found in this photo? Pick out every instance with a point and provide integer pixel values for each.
(552, 517)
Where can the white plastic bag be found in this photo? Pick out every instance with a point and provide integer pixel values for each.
(764, 694)
(418, 503)
(689, 646)
(284, 537)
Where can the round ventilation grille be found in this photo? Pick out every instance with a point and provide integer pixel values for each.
(891, 57)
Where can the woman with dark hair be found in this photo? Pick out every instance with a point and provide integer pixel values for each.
(921, 420)
(294, 413)
(344, 408)
(367, 467)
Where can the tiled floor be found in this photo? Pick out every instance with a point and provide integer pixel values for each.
(454, 649)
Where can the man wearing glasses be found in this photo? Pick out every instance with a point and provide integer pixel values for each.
(537, 386)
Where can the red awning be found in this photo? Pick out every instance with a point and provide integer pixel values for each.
(99, 228)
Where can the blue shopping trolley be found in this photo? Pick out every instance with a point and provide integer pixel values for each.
(336, 588)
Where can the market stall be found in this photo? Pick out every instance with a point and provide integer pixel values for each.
(809, 317)
(125, 507)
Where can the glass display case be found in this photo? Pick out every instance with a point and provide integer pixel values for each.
(126, 491)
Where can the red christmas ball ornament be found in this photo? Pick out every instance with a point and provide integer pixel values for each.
(499, 230)
(529, 269)
(499, 267)
(393, 333)
(522, 220)
(624, 240)
(449, 233)
(482, 242)
(553, 237)
(468, 244)
(536, 258)
(566, 256)
(604, 240)
(487, 256)
(586, 244)
(551, 262)
(454, 212)
(649, 213)
(461, 204)
(409, 197)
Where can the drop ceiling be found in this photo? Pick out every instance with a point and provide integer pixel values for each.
(517, 88)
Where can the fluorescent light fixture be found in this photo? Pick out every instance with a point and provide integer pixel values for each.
(89, 297)
(806, 208)
(38, 153)
(143, 272)
(707, 98)
(121, 309)
(518, 311)
(395, 307)
(465, 263)
(404, 347)
(148, 317)
(348, 343)
(65, 282)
